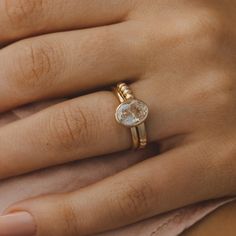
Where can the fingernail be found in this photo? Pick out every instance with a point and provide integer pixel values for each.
(17, 224)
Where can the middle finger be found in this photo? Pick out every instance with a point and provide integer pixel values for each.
(61, 64)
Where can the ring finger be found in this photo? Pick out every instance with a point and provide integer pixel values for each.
(83, 127)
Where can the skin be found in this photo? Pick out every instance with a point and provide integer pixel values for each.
(220, 222)
(71, 177)
(179, 57)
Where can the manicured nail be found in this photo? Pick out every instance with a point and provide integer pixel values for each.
(17, 224)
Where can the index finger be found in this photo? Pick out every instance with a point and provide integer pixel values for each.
(23, 18)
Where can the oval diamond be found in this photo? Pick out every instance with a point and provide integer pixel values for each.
(132, 113)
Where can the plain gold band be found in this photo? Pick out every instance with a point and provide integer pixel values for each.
(138, 133)
(135, 137)
(139, 136)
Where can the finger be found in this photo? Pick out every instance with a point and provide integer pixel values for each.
(82, 127)
(66, 178)
(22, 18)
(158, 185)
(66, 63)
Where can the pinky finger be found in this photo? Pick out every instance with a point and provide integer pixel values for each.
(147, 189)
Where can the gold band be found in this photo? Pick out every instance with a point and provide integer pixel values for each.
(138, 132)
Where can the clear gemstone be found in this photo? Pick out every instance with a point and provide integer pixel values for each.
(132, 113)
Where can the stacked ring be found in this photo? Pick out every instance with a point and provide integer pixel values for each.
(132, 113)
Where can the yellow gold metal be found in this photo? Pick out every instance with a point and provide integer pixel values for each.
(138, 133)
(135, 137)
(142, 136)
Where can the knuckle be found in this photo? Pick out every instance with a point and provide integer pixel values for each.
(210, 30)
(70, 219)
(132, 200)
(70, 127)
(20, 12)
(204, 29)
(38, 65)
(215, 90)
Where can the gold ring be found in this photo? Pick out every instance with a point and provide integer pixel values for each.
(132, 113)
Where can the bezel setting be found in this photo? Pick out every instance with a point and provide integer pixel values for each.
(131, 113)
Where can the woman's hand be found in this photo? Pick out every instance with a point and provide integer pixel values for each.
(63, 178)
(76, 175)
(179, 58)
(73, 176)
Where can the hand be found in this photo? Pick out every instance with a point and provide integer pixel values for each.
(181, 58)
(73, 176)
